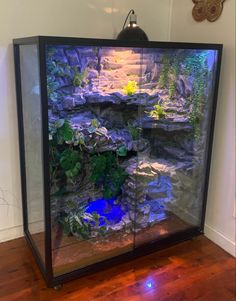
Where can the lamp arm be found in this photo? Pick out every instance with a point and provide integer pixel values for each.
(130, 12)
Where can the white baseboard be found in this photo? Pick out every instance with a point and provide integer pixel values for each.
(11, 233)
(17, 231)
(219, 239)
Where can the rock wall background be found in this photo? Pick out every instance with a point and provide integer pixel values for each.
(165, 162)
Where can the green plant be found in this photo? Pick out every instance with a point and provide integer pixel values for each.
(107, 173)
(172, 89)
(79, 140)
(70, 163)
(83, 225)
(164, 74)
(65, 160)
(122, 151)
(65, 166)
(168, 74)
(197, 106)
(96, 51)
(196, 67)
(158, 112)
(52, 86)
(134, 131)
(94, 126)
(174, 70)
(55, 68)
(79, 77)
(61, 131)
(193, 66)
(162, 81)
(130, 88)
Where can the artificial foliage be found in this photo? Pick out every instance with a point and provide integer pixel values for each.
(57, 68)
(64, 131)
(79, 78)
(82, 224)
(134, 130)
(107, 173)
(122, 151)
(196, 67)
(164, 74)
(65, 157)
(70, 162)
(130, 88)
(158, 112)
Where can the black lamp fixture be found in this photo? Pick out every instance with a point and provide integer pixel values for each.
(132, 32)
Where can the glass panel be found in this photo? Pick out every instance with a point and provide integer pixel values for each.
(179, 87)
(33, 143)
(128, 140)
(93, 109)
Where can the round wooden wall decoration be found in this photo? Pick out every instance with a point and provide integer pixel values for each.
(207, 9)
(199, 10)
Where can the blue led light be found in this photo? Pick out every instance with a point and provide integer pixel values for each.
(149, 284)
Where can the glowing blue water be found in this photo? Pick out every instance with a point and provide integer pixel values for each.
(112, 213)
(107, 209)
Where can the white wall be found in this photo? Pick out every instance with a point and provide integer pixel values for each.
(79, 18)
(103, 19)
(220, 223)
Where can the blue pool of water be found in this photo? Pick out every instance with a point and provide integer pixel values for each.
(108, 209)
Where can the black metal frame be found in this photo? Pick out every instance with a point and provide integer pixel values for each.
(41, 42)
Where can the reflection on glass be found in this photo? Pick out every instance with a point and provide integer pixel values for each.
(175, 124)
(128, 132)
(31, 103)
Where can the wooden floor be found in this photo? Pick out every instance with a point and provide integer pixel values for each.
(194, 270)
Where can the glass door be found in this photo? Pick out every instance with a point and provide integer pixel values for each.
(94, 139)
(175, 124)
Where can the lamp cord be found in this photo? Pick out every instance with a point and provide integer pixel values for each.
(130, 12)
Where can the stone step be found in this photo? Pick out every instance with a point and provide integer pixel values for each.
(138, 61)
(125, 70)
(119, 54)
(125, 77)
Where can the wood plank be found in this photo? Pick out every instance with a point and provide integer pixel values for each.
(196, 270)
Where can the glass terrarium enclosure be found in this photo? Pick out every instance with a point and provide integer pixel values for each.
(115, 147)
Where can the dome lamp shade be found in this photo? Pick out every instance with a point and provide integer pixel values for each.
(132, 32)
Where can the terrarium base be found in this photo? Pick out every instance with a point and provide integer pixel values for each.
(71, 254)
